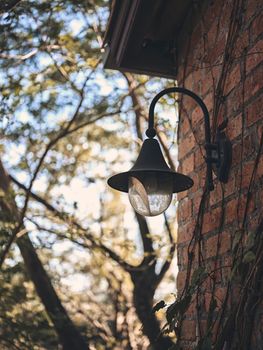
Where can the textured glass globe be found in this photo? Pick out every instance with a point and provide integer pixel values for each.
(151, 193)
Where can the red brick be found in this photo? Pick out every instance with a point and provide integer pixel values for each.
(235, 294)
(185, 127)
(254, 82)
(207, 300)
(202, 175)
(209, 101)
(216, 195)
(222, 113)
(181, 195)
(249, 145)
(182, 255)
(207, 82)
(254, 221)
(235, 209)
(215, 54)
(236, 155)
(220, 294)
(234, 127)
(234, 100)
(196, 203)
(254, 56)
(239, 154)
(233, 79)
(187, 144)
(260, 132)
(185, 231)
(254, 111)
(199, 157)
(188, 164)
(224, 244)
(230, 186)
(226, 268)
(214, 11)
(211, 220)
(188, 330)
(260, 169)
(217, 71)
(256, 27)
(188, 104)
(244, 150)
(192, 307)
(181, 276)
(189, 82)
(252, 8)
(247, 170)
(196, 116)
(197, 76)
(213, 34)
(215, 328)
(231, 211)
(195, 177)
(251, 205)
(185, 210)
(211, 246)
(241, 44)
(195, 35)
(215, 271)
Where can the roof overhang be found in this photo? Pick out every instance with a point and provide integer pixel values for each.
(142, 36)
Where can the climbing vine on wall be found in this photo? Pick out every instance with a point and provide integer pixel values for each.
(227, 322)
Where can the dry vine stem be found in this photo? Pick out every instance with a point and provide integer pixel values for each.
(222, 260)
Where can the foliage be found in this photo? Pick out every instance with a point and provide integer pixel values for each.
(67, 124)
(22, 317)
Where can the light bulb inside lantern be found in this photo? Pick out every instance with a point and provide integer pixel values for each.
(151, 193)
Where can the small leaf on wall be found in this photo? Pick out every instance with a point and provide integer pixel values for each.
(249, 257)
(160, 305)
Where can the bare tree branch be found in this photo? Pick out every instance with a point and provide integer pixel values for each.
(51, 144)
(88, 236)
(169, 258)
(7, 5)
(138, 110)
(88, 122)
(68, 334)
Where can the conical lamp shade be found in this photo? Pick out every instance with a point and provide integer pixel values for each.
(150, 160)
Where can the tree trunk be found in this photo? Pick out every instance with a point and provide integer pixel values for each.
(144, 288)
(69, 336)
(145, 282)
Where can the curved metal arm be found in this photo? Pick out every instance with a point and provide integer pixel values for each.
(150, 132)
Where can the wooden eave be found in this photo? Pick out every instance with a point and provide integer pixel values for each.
(142, 36)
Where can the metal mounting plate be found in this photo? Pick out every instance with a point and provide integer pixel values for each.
(223, 154)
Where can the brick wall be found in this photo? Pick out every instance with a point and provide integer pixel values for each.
(221, 60)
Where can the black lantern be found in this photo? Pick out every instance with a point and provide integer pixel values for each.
(150, 183)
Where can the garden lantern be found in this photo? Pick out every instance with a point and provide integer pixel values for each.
(150, 183)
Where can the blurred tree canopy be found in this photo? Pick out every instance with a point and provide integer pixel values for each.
(79, 269)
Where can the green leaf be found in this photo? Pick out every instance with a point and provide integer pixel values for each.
(249, 257)
(160, 305)
(178, 308)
